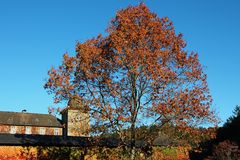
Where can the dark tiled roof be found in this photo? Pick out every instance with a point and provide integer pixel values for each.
(50, 140)
(29, 119)
(44, 140)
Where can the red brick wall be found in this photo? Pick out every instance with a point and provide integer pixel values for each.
(34, 130)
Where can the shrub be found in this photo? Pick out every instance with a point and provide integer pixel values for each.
(225, 150)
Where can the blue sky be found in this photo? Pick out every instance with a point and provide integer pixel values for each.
(35, 34)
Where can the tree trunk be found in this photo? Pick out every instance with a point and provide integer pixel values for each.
(83, 154)
(133, 140)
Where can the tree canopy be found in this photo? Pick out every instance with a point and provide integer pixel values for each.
(139, 73)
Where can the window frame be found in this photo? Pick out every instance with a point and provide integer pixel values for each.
(28, 130)
(42, 130)
(13, 130)
(56, 132)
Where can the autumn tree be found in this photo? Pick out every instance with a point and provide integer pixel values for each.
(138, 73)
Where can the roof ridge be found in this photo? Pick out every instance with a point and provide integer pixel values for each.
(26, 113)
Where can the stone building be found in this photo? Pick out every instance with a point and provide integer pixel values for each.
(29, 123)
(75, 122)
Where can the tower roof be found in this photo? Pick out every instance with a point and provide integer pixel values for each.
(75, 103)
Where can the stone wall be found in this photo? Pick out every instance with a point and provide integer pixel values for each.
(30, 130)
(78, 123)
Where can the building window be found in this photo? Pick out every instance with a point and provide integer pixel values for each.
(56, 131)
(13, 129)
(28, 130)
(42, 131)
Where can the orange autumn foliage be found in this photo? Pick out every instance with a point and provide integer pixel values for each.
(138, 71)
(16, 153)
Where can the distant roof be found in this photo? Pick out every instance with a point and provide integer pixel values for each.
(29, 119)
